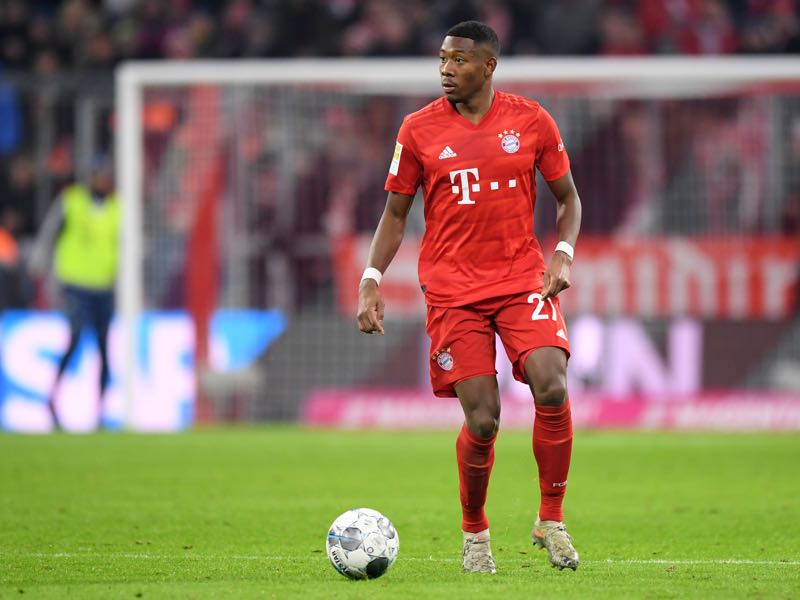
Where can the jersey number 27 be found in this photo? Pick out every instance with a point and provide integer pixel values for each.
(537, 309)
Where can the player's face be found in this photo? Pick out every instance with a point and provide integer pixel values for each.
(464, 68)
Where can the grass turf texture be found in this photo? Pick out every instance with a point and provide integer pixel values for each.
(244, 513)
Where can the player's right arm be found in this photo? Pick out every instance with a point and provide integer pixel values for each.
(405, 175)
(384, 246)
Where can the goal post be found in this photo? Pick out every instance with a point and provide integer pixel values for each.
(595, 79)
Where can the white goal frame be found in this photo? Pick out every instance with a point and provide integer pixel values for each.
(640, 77)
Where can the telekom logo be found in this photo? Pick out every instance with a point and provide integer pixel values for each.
(464, 186)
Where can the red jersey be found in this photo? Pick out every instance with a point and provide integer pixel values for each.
(479, 185)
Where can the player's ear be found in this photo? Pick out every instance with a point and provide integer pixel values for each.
(489, 66)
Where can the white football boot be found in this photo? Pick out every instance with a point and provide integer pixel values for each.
(553, 536)
(478, 553)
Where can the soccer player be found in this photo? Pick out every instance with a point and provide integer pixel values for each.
(475, 152)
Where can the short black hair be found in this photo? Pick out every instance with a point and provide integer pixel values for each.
(479, 32)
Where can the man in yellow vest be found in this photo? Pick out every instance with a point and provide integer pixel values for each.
(85, 222)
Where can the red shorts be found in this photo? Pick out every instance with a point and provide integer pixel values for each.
(463, 337)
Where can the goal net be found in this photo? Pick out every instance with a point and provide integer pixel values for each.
(251, 191)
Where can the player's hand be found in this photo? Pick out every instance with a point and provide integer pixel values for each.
(556, 277)
(370, 307)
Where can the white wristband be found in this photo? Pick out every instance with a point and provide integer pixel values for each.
(566, 248)
(372, 273)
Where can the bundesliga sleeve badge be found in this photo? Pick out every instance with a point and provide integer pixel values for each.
(444, 359)
(398, 152)
(509, 140)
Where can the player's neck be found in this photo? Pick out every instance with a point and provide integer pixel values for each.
(476, 107)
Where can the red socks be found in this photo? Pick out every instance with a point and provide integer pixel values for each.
(552, 447)
(475, 457)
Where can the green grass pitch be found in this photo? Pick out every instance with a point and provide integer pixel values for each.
(243, 513)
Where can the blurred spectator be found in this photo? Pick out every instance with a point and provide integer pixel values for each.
(11, 275)
(767, 25)
(40, 32)
(18, 197)
(151, 29)
(46, 63)
(790, 218)
(60, 162)
(76, 22)
(688, 27)
(10, 118)
(178, 44)
(99, 51)
(297, 35)
(620, 33)
(14, 40)
(201, 30)
(236, 21)
(567, 27)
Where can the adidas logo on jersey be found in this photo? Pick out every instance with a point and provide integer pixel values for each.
(447, 153)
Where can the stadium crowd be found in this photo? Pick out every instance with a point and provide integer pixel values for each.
(48, 35)
(49, 40)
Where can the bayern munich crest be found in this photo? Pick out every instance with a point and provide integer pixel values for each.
(509, 140)
(444, 359)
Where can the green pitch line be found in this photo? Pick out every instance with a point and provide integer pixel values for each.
(243, 513)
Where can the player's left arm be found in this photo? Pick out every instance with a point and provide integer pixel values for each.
(568, 225)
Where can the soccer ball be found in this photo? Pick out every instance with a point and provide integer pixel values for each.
(362, 544)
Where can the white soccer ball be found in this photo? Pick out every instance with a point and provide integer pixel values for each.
(362, 544)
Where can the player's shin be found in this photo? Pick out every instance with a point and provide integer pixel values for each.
(552, 447)
(475, 457)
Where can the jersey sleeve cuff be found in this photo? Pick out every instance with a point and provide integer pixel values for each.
(559, 174)
(397, 189)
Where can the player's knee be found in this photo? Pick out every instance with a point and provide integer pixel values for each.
(483, 424)
(553, 393)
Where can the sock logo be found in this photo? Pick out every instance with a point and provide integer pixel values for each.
(560, 484)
